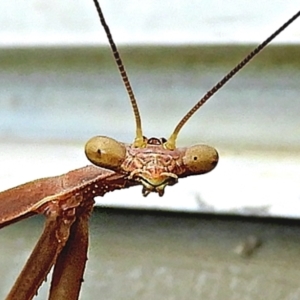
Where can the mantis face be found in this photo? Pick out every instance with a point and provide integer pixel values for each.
(154, 166)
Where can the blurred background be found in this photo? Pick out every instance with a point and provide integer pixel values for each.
(59, 86)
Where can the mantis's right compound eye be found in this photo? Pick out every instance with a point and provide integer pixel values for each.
(105, 152)
(200, 159)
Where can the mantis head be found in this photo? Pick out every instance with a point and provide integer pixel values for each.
(156, 163)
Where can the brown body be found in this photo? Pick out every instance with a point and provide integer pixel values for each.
(67, 202)
(33, 197)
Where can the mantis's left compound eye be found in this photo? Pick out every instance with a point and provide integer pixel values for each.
(105, 152)
(200, 159)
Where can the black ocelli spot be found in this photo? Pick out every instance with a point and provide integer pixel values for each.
(154, 141)
(195, 158)
(99, 151)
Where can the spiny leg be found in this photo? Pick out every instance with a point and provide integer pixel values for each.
(69, 267)
(60, 215)
(40, 261)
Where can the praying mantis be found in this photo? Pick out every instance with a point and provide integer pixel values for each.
(67, 200)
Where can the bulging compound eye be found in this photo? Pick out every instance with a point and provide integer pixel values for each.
(105, 152)
(200, 159)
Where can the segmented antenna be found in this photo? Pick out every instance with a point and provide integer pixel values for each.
(139, 140)
(171, 142)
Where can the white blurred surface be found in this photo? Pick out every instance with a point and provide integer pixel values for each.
(39, 22)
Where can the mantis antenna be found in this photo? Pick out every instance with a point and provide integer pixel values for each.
(139, 139)
(171, 142)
